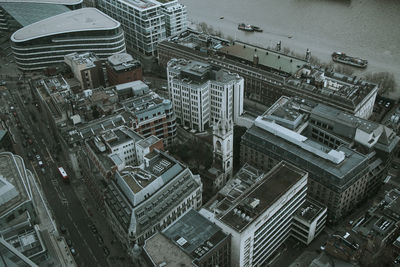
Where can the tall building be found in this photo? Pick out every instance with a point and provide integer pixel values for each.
(144, 199)
(19, 218)
(122, 68)
(142, 21)
(346, 157)
(45, 43)
(87, 69)
(175, 16)
(268, 74)
(223, 147)
(193, 241)
(258, 211)
(200, 93)
(16, 14)
(146, 22)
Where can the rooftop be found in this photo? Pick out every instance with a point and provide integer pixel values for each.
(339, 88)
(161, 250)
(58, 2)
(87, 59)
(262, 195)
(13, 187)
(251, 192)
(29, 12)
(266, 57)
(309, 210)
(197, 72)
(141, 4)
(194, 234)
(123, 61)
(353, 160)
(84, 19)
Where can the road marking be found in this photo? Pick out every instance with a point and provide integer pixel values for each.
(69, 216)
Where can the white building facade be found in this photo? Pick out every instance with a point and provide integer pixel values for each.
(201, 94)
(258, 224)
(175, 16)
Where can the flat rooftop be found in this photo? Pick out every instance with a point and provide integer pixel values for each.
(141, 4)
(58, 2)
(12, 169)
(262, 195)
(84, 19)
(352, 160)
(29, 12)
(161, 250)
(309, 210)
(266, 57)
(194, 234)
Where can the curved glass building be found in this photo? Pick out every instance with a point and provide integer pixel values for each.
(45, 43)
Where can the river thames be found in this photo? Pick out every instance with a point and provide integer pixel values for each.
(368, 29)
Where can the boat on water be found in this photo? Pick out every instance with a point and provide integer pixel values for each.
(256, 28)
(245, 27)
(352, 61)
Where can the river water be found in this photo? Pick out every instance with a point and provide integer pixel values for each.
(368, 29)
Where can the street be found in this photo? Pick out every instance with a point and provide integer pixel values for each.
(34, 140)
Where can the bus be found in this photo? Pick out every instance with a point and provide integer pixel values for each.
(63, 174)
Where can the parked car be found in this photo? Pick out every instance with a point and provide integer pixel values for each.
(38, 157)
(73, 251)
(93, 228)
(106, 251)
(69, 242)
(100, 239)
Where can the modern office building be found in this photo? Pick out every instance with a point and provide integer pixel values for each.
(268, 74)
(258, 211)
(202, 94)
(45, 43)
(142, 21)
(146, 22)
(193, 241)
(122, 68)
(142, 200)
(15, 14)
(18, 210)
(175, 16)
(346, 157)
(87, 69)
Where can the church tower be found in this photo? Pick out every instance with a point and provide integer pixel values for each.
(223, 146)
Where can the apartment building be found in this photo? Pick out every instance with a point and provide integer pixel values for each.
(268, 74)
(142, 20)
(202, 94)
(258, 210)
(346, 157)
(175, 16)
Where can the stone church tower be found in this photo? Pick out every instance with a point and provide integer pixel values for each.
(223, 146)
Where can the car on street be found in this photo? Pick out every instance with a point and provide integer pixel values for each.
(37, 157)
(387, 105)
(106, 251)
(93, 228)
(100, 239)
(73, 251)
(69, 242)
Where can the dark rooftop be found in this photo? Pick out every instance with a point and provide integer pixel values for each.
(194, 234)
(262, 196)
